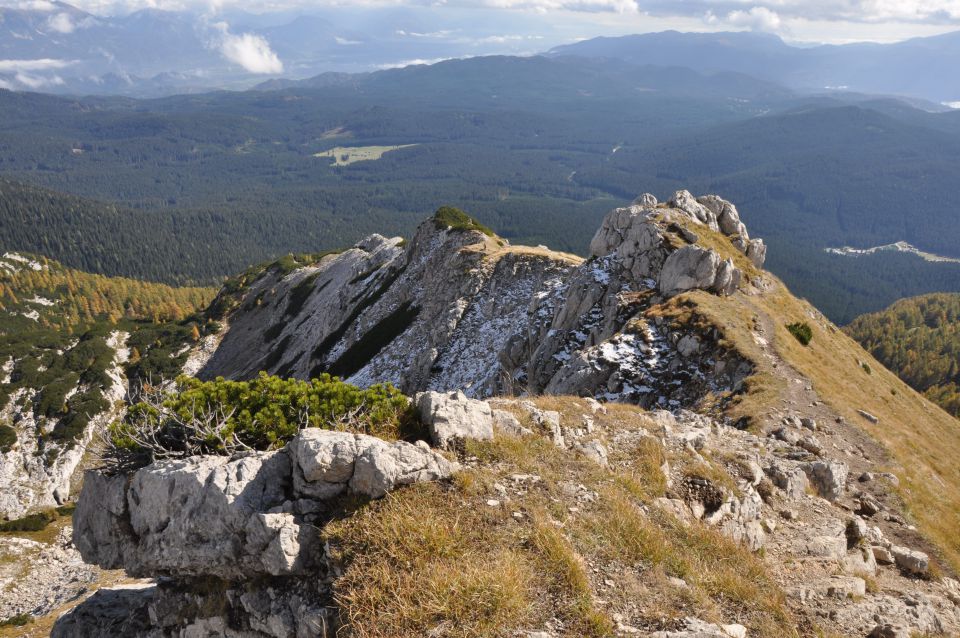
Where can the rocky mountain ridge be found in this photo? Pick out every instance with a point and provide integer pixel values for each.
(460, 309)
(637, 441)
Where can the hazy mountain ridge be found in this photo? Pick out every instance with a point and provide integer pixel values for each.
(917, 67)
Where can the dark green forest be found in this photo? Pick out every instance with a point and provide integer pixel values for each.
(190, 189)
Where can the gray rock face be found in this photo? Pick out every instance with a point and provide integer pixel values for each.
(237, 519)
(108, 612)
(35, 478)
(473, 313)
(167, 611)
(829, 478)
(453, 417)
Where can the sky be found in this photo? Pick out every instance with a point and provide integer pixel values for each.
(831, 21)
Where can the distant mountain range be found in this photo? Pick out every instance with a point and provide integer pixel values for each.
(921, 67)
(55, 47)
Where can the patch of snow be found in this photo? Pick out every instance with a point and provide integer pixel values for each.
(31, 314)
(42, 301)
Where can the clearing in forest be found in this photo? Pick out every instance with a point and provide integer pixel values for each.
(346, 155)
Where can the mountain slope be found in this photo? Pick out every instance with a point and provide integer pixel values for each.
(563, 514)
(68, 341)
(609, 327)
(919, 339)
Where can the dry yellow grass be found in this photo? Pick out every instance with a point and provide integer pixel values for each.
(426, 558)
(923, 440)
(422, 561)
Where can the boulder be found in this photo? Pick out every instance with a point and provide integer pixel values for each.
(646, 200)
(792, 480)
(757, 252)
(452, 417)
(688, 268)
(828, 477)
(910, 561)
(328, 463)
(686, 202)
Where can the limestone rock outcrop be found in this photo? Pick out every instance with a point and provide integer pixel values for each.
(239, 518)
(459, 310)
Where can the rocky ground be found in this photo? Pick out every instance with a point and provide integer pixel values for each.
(716, 490)
(837, 552)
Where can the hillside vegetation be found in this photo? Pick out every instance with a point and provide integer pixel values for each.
(200, 187)
(58, 338)
(919, 339)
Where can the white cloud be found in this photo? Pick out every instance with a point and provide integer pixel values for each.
(34, 5)
(61, 23)
(43, 64)
(345, 41)
(38, 82)
(416, 62)
(250, 51)
(755, 19)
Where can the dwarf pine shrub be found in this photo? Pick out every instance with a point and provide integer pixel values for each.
(223, 417)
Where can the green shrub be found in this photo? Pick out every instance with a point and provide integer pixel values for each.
(29, 523)
(802, 331)
(8, 438)
(866, 368)
(19, 620)
(456, 219)
(266, 412)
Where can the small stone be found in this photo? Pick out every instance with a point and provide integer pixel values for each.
(856, 530)
(493, 502)
(790, 515)
(868, 506)
(679, 583)
(882, 555)
(846, 587)
(595, 451)
(734, 631)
